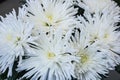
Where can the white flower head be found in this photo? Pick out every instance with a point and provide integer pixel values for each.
(51, 13)
(52, 60)
(15, 34)
(101, 32)
(94, 5)
(111, 13)
(92, 62)
(101, 28)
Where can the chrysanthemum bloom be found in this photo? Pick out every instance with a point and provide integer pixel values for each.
(51, 13)
(15, 37)
(92, 62)
(93, 5)
(101, 32)
(52, 60)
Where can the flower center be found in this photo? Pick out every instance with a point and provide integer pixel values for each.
(50, 20)
(50, 55)
(84, 58)
(106, 36)
(13, 39)
(9, 37)
(50, 17)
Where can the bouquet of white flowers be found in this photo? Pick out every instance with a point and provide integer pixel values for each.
(50, 40)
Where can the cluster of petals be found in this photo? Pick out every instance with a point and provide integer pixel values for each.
(52, 40)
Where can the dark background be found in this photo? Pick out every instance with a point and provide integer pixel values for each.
(6, 6)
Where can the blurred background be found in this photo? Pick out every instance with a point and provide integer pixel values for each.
(7, 6)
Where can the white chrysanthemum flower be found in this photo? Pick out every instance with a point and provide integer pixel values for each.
(52, 60)
(15, 37)
(94, 5)
(51, 13)
(111, 13)
(92, 62)
(100, 29)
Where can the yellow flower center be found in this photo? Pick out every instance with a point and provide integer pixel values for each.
(50, 20)
(106, 35)
(9, 37)
(84, 58)
(50, 55)
(50, 17)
